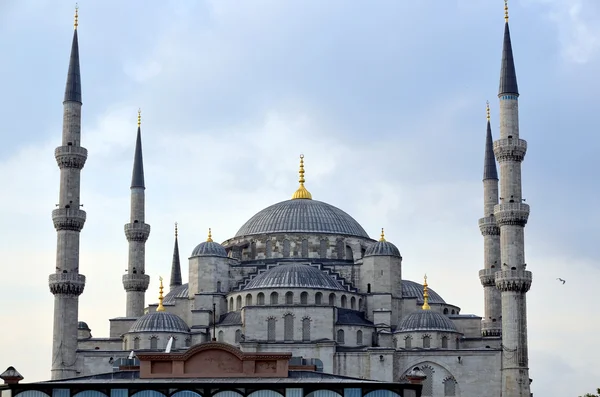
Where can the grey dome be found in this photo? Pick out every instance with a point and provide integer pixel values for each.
(302, 216)
(294, 275)
(209, 248)
(410, 289)
(83, 325)
(181, 291)
(383, 248)
(427, 320)
(159, 322)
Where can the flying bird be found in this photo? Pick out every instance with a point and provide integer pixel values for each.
(561, 280)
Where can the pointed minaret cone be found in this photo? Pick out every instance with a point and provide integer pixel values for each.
(73, 87)
(176, 266)
(137, 178)
(489, 162)
(508, 75)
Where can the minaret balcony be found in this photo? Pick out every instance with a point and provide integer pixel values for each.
(70, 156)
(68, 219)
(510, 149)
(491, 328)
(513, 280)
(137, 231)
(515, 214)
(488, 226)
(488, 277)
(136, 282)
(66, 283)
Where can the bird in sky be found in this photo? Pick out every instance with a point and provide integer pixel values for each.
(561, 280)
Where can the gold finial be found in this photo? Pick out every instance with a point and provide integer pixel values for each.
(76, 16)
(302, 193)
(209, 239)
(506, 10)
(382, 238)
(425, 296)
(139, 117)
(160, 307)
(176, 230)
(487, 110)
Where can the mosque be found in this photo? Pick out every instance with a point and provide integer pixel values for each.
(303, 277)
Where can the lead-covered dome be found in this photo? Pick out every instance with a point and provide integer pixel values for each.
(209, 248)
(411, 289)
(302, 216)
(293, 275)
(159, 322)
(383, 248)
(427, 320)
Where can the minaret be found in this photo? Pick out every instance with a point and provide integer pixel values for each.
(176, 266)
(66, 284)
(137, 232)
(511, 214)
(491, 325)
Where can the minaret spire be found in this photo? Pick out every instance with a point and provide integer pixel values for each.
(176, 266)
(137, 231)
(511, 215)
(301, 193)
(66, 284)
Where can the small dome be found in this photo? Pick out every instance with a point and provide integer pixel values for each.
(159, 322)
(383, 248)
(294, 275)
(83, 325)
(181, 291)
(209, 248)
(411, 289)
(427, 320)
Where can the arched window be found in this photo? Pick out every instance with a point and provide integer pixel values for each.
(271, 329)
(288, 327)
(274, 298)
(444, 342)
(446, 310)
(248, 300)
(340, 336)
(353, 303)
(359, 338)
(426, 342)
(174, 343)
(289, 298)
(136, 343)
(452, 311)
(188, 342)
(368, 288)
(218, 286)
(286, 248)
(253, 250)
(306, 329)
(304, 298)
(359, 304)
(154, 342)
(221, 336)
(318, 298)
(231, 304)
(349, 254)
(238, 335)
(449, 387)
(344, 301)
(457, 343)
(260, 299)
(332, 299)
(305, 248)
(238, 303)
(427, 390)
(323, 249)
(268, 248)
(408, 342)
(339, 248)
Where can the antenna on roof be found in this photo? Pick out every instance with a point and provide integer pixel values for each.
(169, 345)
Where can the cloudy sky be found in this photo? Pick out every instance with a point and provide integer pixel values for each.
(386, 100)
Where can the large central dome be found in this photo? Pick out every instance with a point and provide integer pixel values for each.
(302, 216)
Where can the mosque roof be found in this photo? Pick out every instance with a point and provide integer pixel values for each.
(294, 275)
(383, 248)
(82, 325)
(411, 289)
(209, 248)
(177, 292)
(426, 320)
(159, 322)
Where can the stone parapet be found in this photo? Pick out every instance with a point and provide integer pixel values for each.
(510, 149)
(513, 280)
(66, 283)
(136, 282)
(488, 226)
(137, 231)
(68, 219)
(515, 214)
(491, 328)
(487, 277)
(70, 156)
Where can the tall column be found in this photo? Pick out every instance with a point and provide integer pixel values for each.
(491, 325)
(137, 231)
(66, 284)
(511, 214)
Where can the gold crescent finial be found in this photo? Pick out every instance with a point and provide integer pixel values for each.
(382, 237)
(487, 110)
(301, 193)
(176, 230)
(160, 307)
(506, 11)
(425, 295)
(209, 239)
(139, 117)
(76, 16)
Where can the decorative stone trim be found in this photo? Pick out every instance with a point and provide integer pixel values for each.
(136, 282)
(68, 219)
(70, 156)
(513, 214)
(70, 284)
(513, 280)
(510, 149)
(137, 232)
(488, 226)
(487, 277)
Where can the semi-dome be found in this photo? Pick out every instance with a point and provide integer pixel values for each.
(302, 216)
(159, 322)
(427, 320)
(410, 289)
(83, 325)
(209, 248)
(294, 275)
